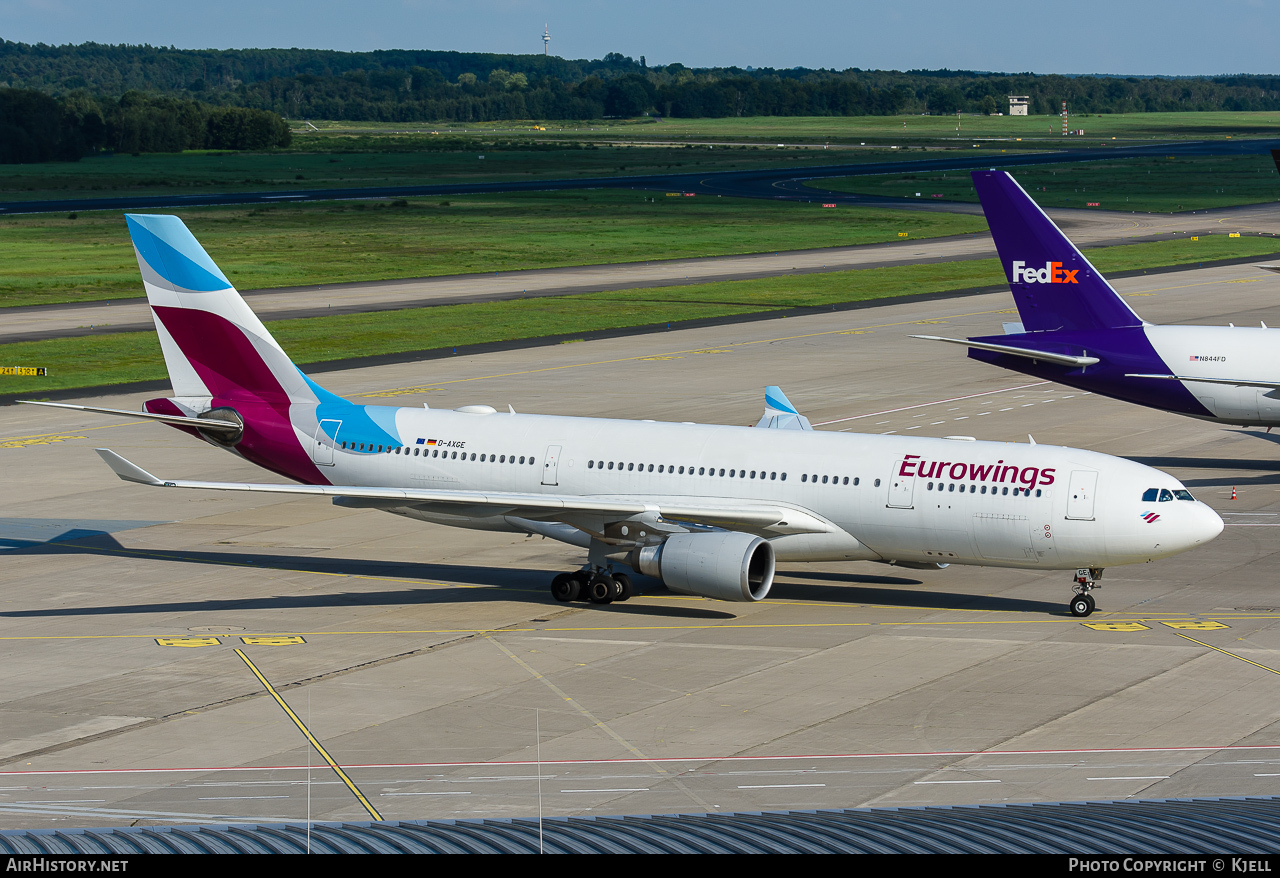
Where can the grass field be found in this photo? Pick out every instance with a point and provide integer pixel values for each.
(50, 258)
(347, 154)
(850, 129)
(1164, 184)
(366, 160)
(125, 357)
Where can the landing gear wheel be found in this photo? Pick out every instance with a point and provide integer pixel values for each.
(603, 589)
(1082, 605)
(565, 587)
(625, 589)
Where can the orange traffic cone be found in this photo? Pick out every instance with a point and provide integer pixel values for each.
(1233, 492)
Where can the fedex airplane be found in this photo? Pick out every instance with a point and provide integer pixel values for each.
(1076, 330)
(707, 509)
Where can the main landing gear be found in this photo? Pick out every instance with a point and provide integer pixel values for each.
(1086, 580)
(596, 586)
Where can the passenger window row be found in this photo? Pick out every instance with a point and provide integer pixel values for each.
(435, 452)
(835, 480)
(672, 470)
(982, 489)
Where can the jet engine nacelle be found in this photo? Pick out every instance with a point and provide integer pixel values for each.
(725, 565)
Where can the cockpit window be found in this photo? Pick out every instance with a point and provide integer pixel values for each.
(1150, 495)
(1183, 495)
(1165, 495)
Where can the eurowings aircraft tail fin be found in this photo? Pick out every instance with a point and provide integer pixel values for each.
(779, 413)
(1053, 284)
(214, 345)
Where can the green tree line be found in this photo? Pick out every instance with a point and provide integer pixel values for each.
(37, 127)
(425, 86)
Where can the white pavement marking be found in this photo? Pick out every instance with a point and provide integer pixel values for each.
(935, 402)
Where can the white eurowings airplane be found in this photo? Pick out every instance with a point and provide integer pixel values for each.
(707, 509)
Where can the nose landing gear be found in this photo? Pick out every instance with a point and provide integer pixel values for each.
(1086, 580)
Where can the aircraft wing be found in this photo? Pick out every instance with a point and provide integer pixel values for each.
(1235, 382)
(728, 514)
(1061, 359)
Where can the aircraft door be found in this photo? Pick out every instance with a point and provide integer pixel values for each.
(551, 466)
(322, 444)
(1080, 495)
(1237, 403)
(1004, 537)
(901, 488)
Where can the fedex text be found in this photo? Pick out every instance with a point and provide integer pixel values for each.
(1052, 273)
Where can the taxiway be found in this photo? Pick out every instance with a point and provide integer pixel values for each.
(432, 667)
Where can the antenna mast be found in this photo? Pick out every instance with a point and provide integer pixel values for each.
(546, 41)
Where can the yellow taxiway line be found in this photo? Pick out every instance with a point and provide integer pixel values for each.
(324, 754)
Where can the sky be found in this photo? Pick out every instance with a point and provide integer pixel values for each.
(1129, 37)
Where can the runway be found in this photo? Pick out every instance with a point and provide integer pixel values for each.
(1087, 228)
(435, 671)
(751, 183)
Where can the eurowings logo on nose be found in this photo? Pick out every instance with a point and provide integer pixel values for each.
(1149, 517)
(1052, 273)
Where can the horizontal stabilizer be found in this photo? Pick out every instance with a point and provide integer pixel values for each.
(1234, 382)
(1046, 356)
(729, 514)
(178, 420)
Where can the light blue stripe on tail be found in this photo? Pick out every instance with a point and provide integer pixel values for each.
(173, 253)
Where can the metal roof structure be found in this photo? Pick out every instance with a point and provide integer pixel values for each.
(1166, 826)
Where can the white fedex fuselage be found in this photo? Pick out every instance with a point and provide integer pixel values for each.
(1225, 354)
(882, 498)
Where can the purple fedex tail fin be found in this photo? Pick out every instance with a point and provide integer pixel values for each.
(1054, 286)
